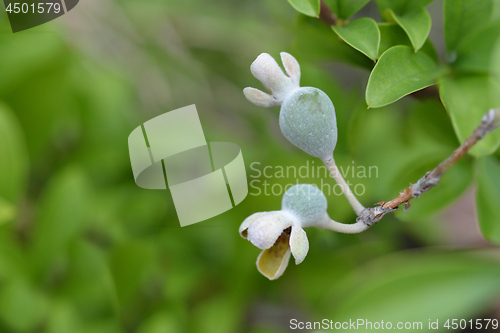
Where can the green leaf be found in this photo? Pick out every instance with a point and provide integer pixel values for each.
(461, 17)
(391, 34)
(467, 98)
(363, 35)
(400, 6)
(418, 286)
(13, 158)
(417, 25)
(488, 197)
(306, 7)
(399, 72)
(344, 9)
(475, 52)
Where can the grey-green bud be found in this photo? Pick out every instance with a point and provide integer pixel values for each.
(306, 202)
(307, 119)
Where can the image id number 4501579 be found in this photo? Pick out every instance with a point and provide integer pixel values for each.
(40, 8)
(477, 324)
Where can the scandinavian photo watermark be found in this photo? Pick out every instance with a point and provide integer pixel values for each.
(261, 177)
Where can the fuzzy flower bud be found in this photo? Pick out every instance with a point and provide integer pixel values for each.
(307, 115)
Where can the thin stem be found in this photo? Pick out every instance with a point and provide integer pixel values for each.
(354, 228)
(353, 201)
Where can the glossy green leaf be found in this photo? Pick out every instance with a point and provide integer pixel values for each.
(461, 17)
(399, 72)
(418, 286)
(475, 52)
(306, 7)
(488, 197)
(391, 34)
(399, 6)
(417, 25)
(344, 9)
(467, 98)
(61, 216)
(363, 35)
(13, 157)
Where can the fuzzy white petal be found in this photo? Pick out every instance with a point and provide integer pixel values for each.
(244, 226)
(292, 67)
(299, 244)
(266, 229)
(260, 98)
(267, 71)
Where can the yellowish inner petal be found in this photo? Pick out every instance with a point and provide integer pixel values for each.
(271, 260)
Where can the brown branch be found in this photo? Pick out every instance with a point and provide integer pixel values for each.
(326, 15)
(490, 121)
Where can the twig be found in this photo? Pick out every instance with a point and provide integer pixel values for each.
(326, 15)
(369, 216)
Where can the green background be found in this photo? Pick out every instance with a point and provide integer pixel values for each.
(83, 249)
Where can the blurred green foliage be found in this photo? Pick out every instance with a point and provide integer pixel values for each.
(83, 249)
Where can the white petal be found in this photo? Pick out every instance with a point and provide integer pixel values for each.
(244, 226)
(299, 244)
(267, 71)
(265, 230)
(292, 67)
(260, 98)
(272, 262)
